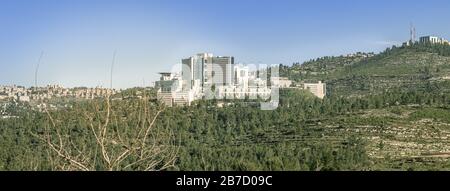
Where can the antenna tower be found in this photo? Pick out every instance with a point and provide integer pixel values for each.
(412, 33)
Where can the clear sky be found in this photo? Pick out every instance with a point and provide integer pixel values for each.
(78, 37)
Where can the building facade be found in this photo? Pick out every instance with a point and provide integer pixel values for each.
(171, 92)
(205, 76)
(280, 82)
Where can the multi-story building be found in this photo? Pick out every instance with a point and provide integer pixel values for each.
(433, 40)
(193, 69)
(23, 98)
(318, 89)
(252, 92)
(166, 85)
(171, 91)
(21, 93)
(220, 71)
(280, 82)
(91, 93)
(206, 76)
(241, 76)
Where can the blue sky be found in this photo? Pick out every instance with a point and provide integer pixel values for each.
(78, 37)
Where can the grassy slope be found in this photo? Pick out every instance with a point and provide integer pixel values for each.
(401, 68)
(398, 137)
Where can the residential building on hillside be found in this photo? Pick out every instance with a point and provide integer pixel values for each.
(280, 82)
(170, 90)
(241, 76)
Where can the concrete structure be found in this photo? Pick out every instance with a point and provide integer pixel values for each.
(207, 70)
(241, 76)
(23, 98)
(412, 39)
(171, 99)
(318, 89)
(3, 96)
(21, 93)
(220, 71)
(433, 40)
(193, 69)
(280, 82)
(205, 76)
(165, 76)
(233, 92)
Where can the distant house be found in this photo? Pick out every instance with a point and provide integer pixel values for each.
(3, 96)
(170, 91)
(318, 89)
(23, 98)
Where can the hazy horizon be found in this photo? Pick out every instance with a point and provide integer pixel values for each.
(79, 37)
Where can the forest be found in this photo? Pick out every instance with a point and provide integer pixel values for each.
(204, 137)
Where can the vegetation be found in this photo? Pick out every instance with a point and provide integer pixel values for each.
(389, 111)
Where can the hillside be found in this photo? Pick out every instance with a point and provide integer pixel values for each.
(388, 111)
(419, 67)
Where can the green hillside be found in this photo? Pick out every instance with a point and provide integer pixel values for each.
(388, 111)
(418, 67)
